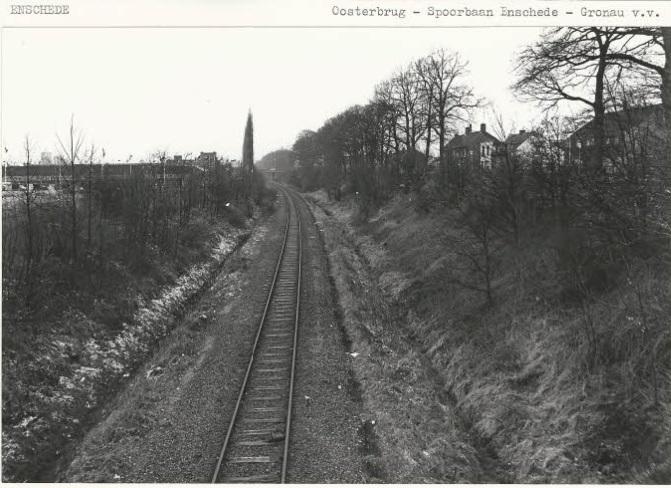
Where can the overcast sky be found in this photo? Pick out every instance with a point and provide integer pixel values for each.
(134, 91)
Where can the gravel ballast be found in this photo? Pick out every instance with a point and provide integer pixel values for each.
(169, 423)
(327, 445)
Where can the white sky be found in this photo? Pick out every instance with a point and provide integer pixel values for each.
(136, 90)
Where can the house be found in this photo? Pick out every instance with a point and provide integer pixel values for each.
(627, 131)
(472, 149)
(520, 143)
(520, 148)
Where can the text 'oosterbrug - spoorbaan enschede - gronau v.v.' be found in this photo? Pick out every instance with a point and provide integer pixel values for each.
(439, 12)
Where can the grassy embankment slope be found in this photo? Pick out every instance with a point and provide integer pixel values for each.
(88, 327)
(555, 389)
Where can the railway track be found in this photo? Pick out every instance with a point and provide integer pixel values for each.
(256, 448)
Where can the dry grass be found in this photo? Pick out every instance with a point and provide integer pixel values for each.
(560, 391)
(61, 365)
(137, 410)
(419, 436)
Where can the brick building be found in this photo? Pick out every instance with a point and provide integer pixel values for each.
(472, 149)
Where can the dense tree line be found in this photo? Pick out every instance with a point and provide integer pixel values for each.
(94, 220)
(603, 214)
(387, 145)
(279, 160)
(373, 149)
(415, 111)
(98, 260)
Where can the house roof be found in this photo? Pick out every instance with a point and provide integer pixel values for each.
(412, 153)
(615, 120)
(516, 140)
(471, 140)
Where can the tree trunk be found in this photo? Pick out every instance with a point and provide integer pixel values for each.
(29, 228)
(73, 213)
(90, 202)
(599, 110)
(428, 136)
(666, 94)
(73, 189)
(101, 241)
(441, 150)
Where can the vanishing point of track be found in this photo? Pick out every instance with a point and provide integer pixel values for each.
(256, 448)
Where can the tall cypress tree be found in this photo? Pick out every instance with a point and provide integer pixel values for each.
(248, 154)
(248, 145)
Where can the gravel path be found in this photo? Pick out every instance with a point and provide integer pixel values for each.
(326, 443)
(168, 425)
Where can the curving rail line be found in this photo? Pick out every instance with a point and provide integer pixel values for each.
(256, 448)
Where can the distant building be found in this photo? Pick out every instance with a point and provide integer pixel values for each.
(179, 160)
(56, 175)
(472, 149)
(207, 159)
(629, 129)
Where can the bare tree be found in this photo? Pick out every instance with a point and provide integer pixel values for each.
(70, 154)
(649, 49)
(426, 104)
(443, 74)
(384, 95)
(570, 64)
(506, 184)
(28, 199)
(89, 196)
(391, 141)
(407, 98)
(551, 167)
(474, 241)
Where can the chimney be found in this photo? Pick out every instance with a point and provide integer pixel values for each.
(483, 127)
(469, 129)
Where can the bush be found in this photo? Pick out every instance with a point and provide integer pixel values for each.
(429, 197)
(235, 217)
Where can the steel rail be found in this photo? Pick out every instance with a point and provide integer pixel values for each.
(291, 209)
(293, 359)
(256, 342)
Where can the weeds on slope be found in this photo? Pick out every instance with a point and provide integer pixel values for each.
(421, 439)
(563, 387)
(59, 368)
